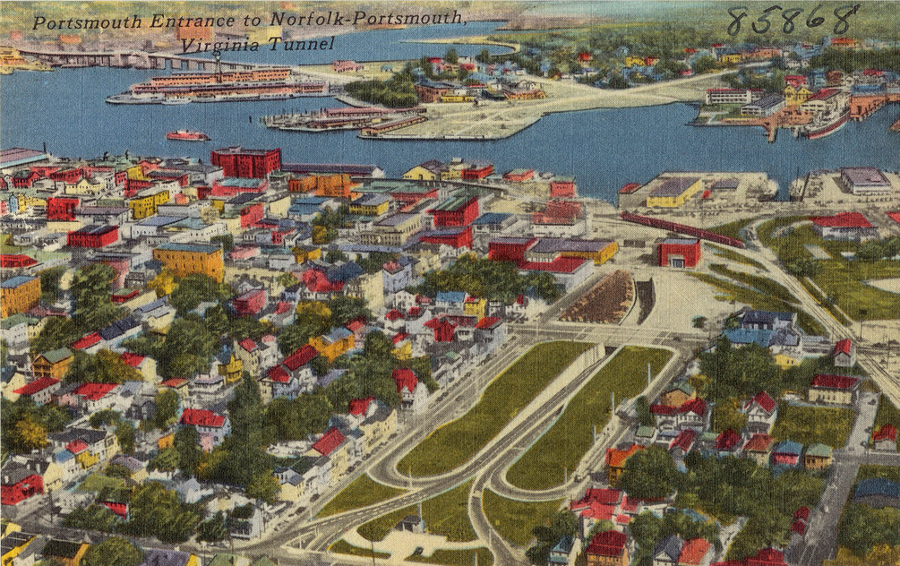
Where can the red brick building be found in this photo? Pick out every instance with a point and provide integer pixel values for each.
(61, 208)
(250, 303)
(239, 162)
(460, 210)
(460, 237)
(477, 171)
(509, 249)
(678, 252)
(93, 237)
(563, 187)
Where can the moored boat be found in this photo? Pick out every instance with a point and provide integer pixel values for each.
(187, 135)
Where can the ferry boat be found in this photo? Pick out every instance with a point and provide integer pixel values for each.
(826, 125)
(187, 135)
(275, 83)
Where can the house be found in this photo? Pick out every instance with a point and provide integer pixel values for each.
(833, 389)
(728, 442)
(39, 390)
(694, 552)
(161, 557)
(817, 456)
(667, 551)
(787, 454)
(54, 363)
(18, 294)
(677, 394)
(695, 414)
(616, 459)
(865, 181)
(678, 252)
(607, 548)
(18, 548)
(761, 412)
(759, 448)
(844, 353)
(336, 447)
(885, 438)
(334, 343)
(845, 226)
(682, 444)
(564, 552)
(18, 484)
(95, 397)
(212, 428)
(877, 493)
(64, 552)
(185, 259)
(413, 393)
(250, 303)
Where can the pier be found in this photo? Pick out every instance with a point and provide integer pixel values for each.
(135, 60)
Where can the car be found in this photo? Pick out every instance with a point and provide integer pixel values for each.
(418, 551)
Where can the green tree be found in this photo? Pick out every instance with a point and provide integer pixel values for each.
(188, 348)
(167, 403)
(307, 325)
(50, 279)
(563, 523)
(451, 56)
(104, 417)
(195, 288)
(344, 309)
(114, 551)
(649, 474)
(246, 457)
(187, 444)
(704, 64)
(56, 333)
(212, 529)
(226, 241)
(263, 486)
(642, 407)
(94, 517)
(484, 56)
(93, 307)
(28, 434)
(103, 367)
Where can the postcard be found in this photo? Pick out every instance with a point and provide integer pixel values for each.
(458, 283)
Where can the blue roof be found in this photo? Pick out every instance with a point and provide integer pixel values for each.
(788, 447)
(767, 317)
(877, 486)
(16, 281)
(451, 296)
(749, 336)
(491, 218)
(197, 248)
(160, 220)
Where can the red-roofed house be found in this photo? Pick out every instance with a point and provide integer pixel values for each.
(39, 390)
(728, 442)
(885, 438)
(250, 303)
(360, 407)
(844, 353)
(443, 329)
(766, 557)
(95, 397)
(852, 226)
(759, 448)
(19, 485)
(683, 443)
(335, 446)
(89, 344)
(761, 411)
(615, 460)
(607, 548)
(833, 389)
(212, 428)
(291, 378)
(695, 414)
(413, 393)
(694, 552)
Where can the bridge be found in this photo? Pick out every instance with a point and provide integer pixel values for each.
(135, 60)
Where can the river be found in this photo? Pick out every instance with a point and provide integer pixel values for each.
(603, 149)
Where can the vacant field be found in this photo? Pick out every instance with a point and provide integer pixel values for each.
(607, 302)
(364, 491)
(806, 425)
(343, 547)
(457, 557)
(454, 443)
(561, 448)
(728, 253)
(515, 519)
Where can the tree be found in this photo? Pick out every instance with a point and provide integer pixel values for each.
(195, 288)
(94, 308)
(188, 348)
(246, 457)
(104, 417)
(642, 408)
(286, 279)
(704, 64)
(226, 241)
(649, 474)
(114, 551)
(344, 309)
(56, 333)
(483, 56)
(699, 322)
(50, 279)
(29, 435)
(617, 81)
(212, 529)
(117, 471)
(263, 486)
(163, 284)
(804, 267)
(93, 517)
(187, 444)
(103, 367)
(167, 403)
(563, 523)
(451, 56)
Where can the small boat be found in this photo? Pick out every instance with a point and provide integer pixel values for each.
(186, 135)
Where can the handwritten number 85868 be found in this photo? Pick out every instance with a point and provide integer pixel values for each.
(762, 24)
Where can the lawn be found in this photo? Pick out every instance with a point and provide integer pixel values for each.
(445, 514)
(764, 284)
(762, 301)
(806, 425)
(562, 447)
(515, 519)
(456, 557)
(98, 482)
(887, 413)
(732, 255)
(842, 280)
(731, 229)
(453, 444)
(364, 491)
(344, 547)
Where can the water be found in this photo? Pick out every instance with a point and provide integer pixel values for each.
(604, 149)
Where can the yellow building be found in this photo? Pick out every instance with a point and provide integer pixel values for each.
(795, 96)
(369, 287)
(85, 186)
(166, 441)
(14, 543)
(18, 294)
(393, 230)
(456, 98)
(28, 199)
(475, 307)
(631, 61)
(421, 173)
(303, 254)
(184, 259)
(732, 58)
(371, 205)
(784, 361)
(600, 252)
(334, 343)
(402, 349)
(232, 370)
(144, 205)
(54, 363)
(674, 192)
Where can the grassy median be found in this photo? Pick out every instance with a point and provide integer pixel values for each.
(445, 514)
(562, 447)
(515, 519)
(453, 444)
(465, 557)
(364, 491)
